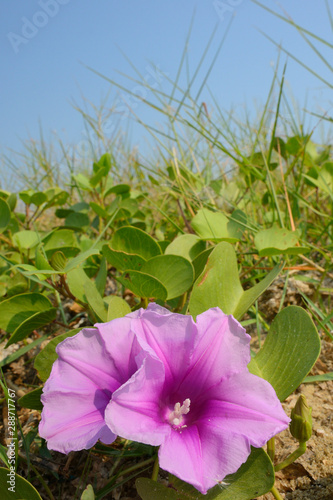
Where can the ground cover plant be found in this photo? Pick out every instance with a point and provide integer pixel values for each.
(172, 258)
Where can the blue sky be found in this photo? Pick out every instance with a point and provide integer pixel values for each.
(47, 44)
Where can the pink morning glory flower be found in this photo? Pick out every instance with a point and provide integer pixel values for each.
(194, 396)
(91, 365)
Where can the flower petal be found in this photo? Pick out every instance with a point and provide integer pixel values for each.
(246, 405)
(77, 392)
(121, 345)
(83, 358)
(170, 335)
(202, 456)
(134, 411)
(74, 421)
(221, 349)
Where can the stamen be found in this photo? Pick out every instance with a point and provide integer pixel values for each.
(176, 416)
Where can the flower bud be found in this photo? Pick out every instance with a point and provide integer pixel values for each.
(301, 420)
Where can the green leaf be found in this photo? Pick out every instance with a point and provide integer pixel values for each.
(34, 322)
(143, 285)
(118, 189)
(318, 378)
(26, 239)
(12, 200)
(151, 490)
(215, 226)
(277, 241)
(45, 359)
(122, 260)
(174, 272)
(38, 198)
(128, 207)
(95, 301)
(100, 211)
(26, 196)
(3, 455)
(200, 261)
(132, 240)
(62, 239)
(83, 182)
(76, 279)
(17, 309)
(289, 352)
(41, 261)
(118, 307)
(188, 246)
(77, 220)
(100, 280)
(58, 261)
(32, 400)
(4, 215)
(81, 257)
(237, 223)
(219, 285)
(56, 196)
(23, 490)
(88, 493)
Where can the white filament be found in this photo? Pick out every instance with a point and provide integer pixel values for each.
(175, 417)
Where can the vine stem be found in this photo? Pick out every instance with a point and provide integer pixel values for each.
(292, 457)
(145, 302)
(155, 470)
(271, 448)
(276, 494)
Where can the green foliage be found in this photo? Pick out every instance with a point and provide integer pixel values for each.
(215, 226)
(219, 285)
(45, 359)
(180, 228)
(32, 400)
(188, 246)
(17, 309)
(118, 307)
(132, 240)
(174, 272)
(4, 215)
(23, 489)
(289, 352)
(88, 493)
(276, 241)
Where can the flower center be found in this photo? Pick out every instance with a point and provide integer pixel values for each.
(175, 417)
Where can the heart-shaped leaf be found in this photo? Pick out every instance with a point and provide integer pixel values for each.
(122, 260)
(34, 322)
(187, 246)
(215, 226)
(277, 241)
(174, 272)
(143, 285)
(132, 240)
(289, 352)
(219, 284)
(45, 359)
(118, 307)
(17, 309)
